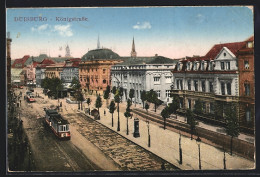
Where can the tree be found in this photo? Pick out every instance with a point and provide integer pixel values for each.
(106, 94)
(98, 103)
(146, 107)
(232, 125)
(128, 114)
(114, 90)
(198, 107)
(88, 101)
(75, 84)
(165, 114)
(174, 105)
(117, 100)
(191, 121)
(152, 97)
(143, 97)
(121, 92)
(112, 108)
(131, 94)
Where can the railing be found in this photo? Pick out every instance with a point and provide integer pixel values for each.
(227, 98)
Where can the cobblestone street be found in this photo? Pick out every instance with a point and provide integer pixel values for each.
(125, 153)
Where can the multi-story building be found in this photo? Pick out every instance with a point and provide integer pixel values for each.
(144, 73)
(246, 86)
(54, 70)
(213, 78)
(94, 69)
(40, 71)
(20, 62)
(30, 73)
(70, 70)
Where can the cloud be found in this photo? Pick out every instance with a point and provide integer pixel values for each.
(200, 18)
(143, 25)
(63, 30)
(40, 28)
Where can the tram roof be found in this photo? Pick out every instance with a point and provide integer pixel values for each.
(59, 119)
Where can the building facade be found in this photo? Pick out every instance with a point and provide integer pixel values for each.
(40, 71)
(70, 70)
(247, 86)
(94, 69)
(144, 73)
(54, 70)
(214, 79)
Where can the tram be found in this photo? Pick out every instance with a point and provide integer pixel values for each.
(57, 123)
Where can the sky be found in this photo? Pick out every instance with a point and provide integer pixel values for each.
(172, 32)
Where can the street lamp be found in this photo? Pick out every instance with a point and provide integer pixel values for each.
(149, 137)
(198, 141)
(224, 159)
(180, 150)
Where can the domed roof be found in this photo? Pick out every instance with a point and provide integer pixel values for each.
(102, 54)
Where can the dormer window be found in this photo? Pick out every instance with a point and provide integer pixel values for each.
(250, 44)
(202, 66)
(224, 54)
(188, 65)
(195, 66)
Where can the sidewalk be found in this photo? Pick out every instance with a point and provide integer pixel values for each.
(165, 143)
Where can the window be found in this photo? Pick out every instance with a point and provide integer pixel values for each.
(203, 87)
(248, 115)
(189, 104)
(202, 65)
(104, 81)
(211, 108)
(222, 65)
(225, 54)
(195, 65)
(189, 85)
(156, 80)
(229, 88)
(181, 102)
(104, 71)
(196, 85)
(246, 63)
(250, 44)
(168, 93)
(222, 88)
(228, 65)
(247, 89)
(204, 107)
(181, 85)
(211, 87)
(158, 93)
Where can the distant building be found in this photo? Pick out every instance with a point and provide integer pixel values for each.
(20, 62)
(70, 70)
(40, 71)
(16, 75)
(144, 73)
(54, 70)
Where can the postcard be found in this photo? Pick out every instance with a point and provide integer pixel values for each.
(130, 89)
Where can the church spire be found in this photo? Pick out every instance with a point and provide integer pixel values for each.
(133, 52)
(98, 43)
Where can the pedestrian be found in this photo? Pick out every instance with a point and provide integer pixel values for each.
(20, 102)
(60, 104)
(89, 111)
(104, 112)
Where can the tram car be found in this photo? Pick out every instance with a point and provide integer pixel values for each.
(57, 123)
